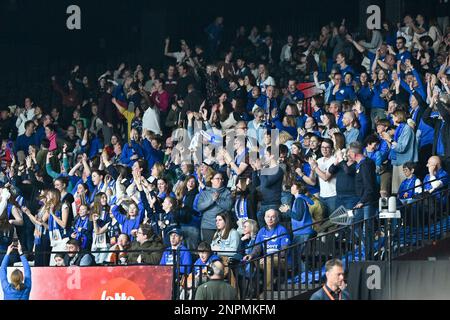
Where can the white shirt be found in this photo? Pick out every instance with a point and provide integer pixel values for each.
(179, 56)
(150, 120)
(22, 118)
(327, 188)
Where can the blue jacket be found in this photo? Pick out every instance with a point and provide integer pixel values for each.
(292, 98)
(365, 95)
(346, 70)
(344, 93)
(426, 132)
(407, 189)
(128, 151)
(378, 102)
(9, 292)
(262, 103)
(151, 155)
(351, 135)
(383, 148)
(279, 125)
(185, 259)
(23, 142)
(442, 176)
(129, 224)
(316, 115)
(420, 89)
(300, 217)
(364, 129)
(406, 148)
(95, 147)
(199, 265)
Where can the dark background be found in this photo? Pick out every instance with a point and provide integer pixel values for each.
(34, 40)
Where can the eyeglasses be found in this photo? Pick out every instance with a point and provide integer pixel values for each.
(217, 178)
(325, 147)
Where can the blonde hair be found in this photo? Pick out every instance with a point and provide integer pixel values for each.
(159, 168)
(253, 227)
(17, 280)
(284, 136)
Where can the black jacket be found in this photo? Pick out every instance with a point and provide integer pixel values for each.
(270, 185)
(345, 178)
(366, 181)
(422, 108)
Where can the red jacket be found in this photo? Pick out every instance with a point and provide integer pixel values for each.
(161, 100)
(69, 99)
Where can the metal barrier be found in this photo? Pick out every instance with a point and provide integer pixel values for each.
(301, 267)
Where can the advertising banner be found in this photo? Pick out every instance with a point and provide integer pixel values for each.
(100, 283)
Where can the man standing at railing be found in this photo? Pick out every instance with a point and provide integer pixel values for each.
(366, 190)
(334, 288)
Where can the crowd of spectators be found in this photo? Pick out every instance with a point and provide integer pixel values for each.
(220, 150)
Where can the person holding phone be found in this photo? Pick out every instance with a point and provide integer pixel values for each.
(20, 286)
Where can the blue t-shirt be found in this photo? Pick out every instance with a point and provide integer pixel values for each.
(403, 56)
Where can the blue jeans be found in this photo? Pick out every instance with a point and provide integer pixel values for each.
(262, 211)
(367, 214)
(329, 204)
(300, 240)
(347, 201)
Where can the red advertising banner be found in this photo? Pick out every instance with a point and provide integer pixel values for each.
(100, 283)
(309, 89)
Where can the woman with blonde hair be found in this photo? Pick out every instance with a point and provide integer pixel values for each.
(403, 148)
(20, 286)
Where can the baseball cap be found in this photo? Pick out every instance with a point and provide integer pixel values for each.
(178, 231)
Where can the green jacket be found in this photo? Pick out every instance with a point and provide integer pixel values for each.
(155, 249)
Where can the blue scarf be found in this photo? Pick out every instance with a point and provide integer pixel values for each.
(408, 187)
(414, 114)
(240, 208)
(83, 224)
(397, 134)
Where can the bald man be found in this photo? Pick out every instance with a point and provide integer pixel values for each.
(436, 177)
(216, 288)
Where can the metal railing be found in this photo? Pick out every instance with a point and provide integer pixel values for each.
(301, 267)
